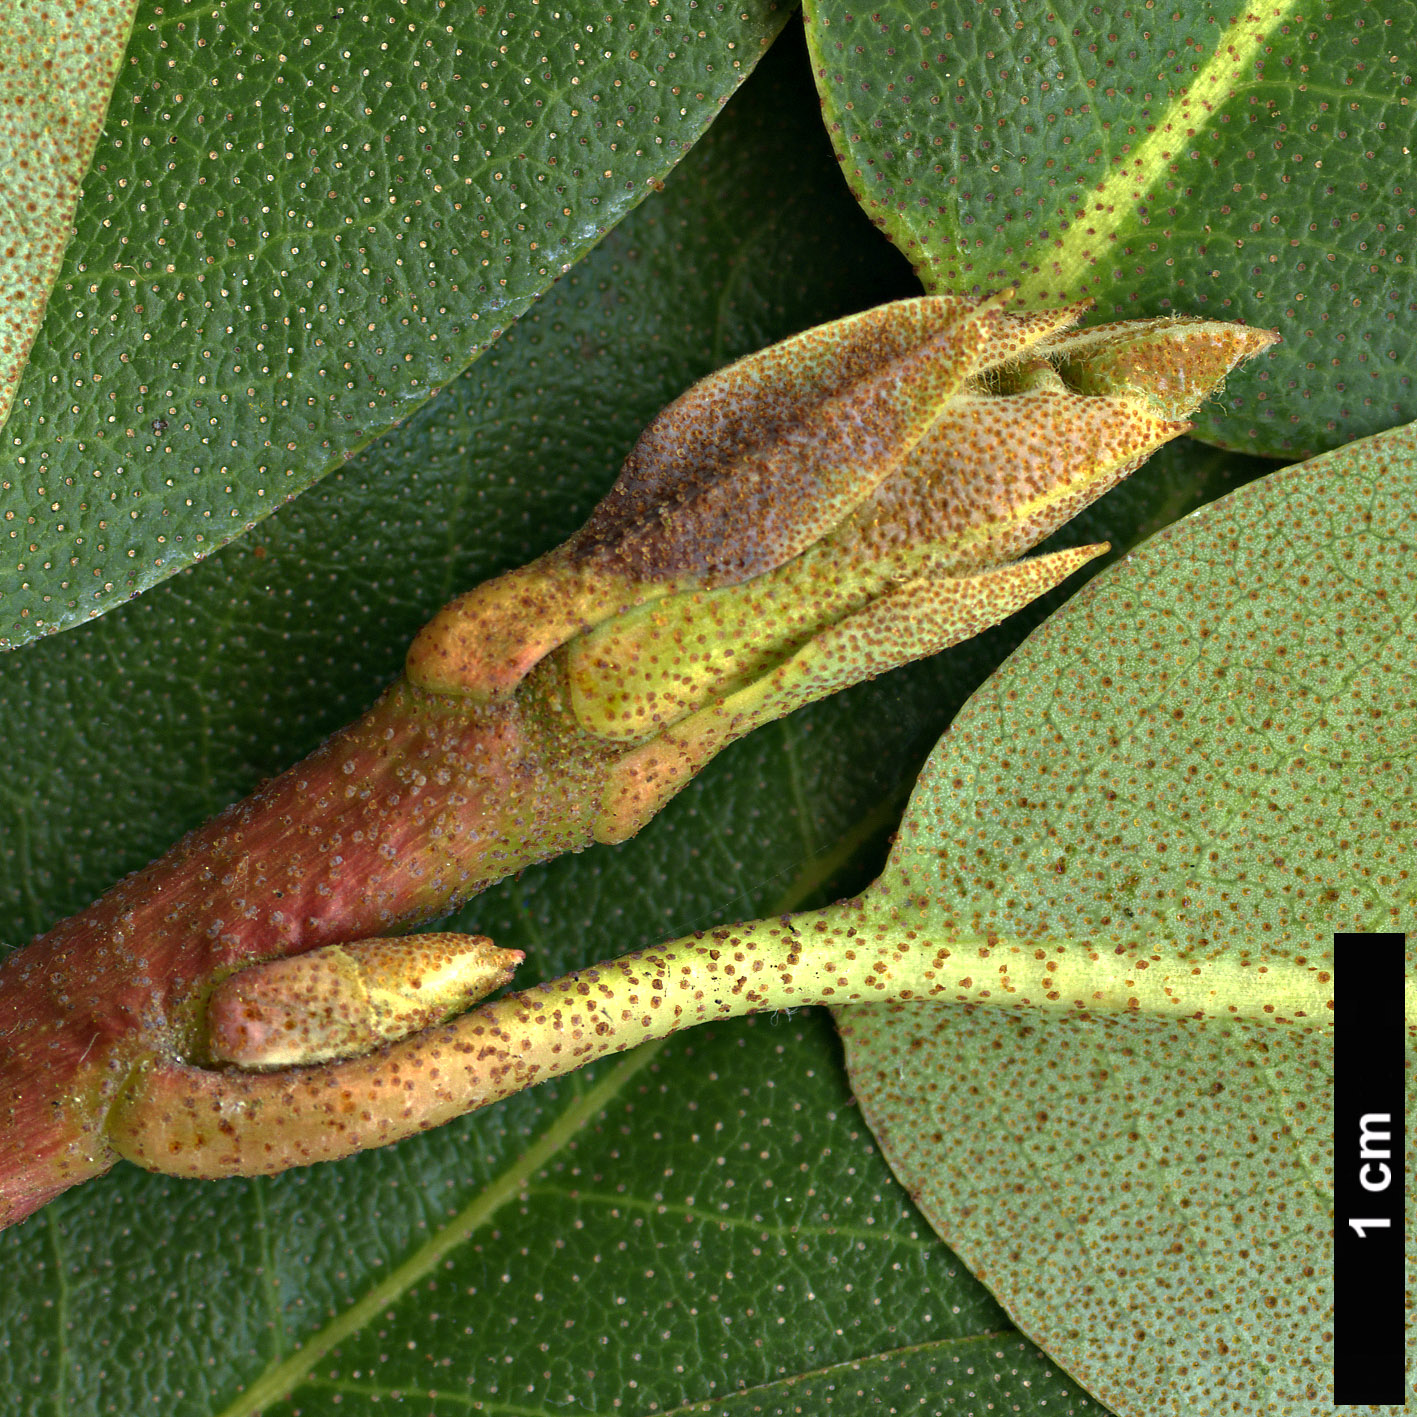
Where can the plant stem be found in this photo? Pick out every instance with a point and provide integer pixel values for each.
(394, 820)
(195, 1122)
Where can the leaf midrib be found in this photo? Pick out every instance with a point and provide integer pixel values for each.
(754, 1225)
(989, 1342)
(1109, 204)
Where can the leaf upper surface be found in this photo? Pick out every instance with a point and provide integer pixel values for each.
(1242, 162)
(295, 232)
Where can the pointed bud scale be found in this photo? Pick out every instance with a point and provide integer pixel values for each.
(740, 474)
(1173, 364)
(1001, 471)
(1012, 454)
(639, 673)
(918, 619)
(339, 1001)
(759, 461)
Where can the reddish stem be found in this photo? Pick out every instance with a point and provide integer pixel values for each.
(394, 820)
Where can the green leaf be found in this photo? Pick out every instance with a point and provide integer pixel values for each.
(1147, 825)
(56, 76)
(1241, 163)
(296, 231)
(1228, 723)
(147, 1294)
(1153, 1203)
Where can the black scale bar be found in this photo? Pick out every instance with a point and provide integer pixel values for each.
(1369, 1281)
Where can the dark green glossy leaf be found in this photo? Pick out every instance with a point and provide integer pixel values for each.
(1242, 163)
(1136, 843)
(300, 226)
(193, 1299)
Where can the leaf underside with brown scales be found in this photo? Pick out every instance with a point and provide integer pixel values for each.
(1201, 761)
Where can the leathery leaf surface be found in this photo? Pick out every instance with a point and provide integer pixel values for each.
(1245, 162)
(296, 229)
(57, 68)
(1209, 755)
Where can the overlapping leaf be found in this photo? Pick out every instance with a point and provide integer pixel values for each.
(57, 67)
(793, 1265)
(1243, 162)
(299, 227)
(1201, 768)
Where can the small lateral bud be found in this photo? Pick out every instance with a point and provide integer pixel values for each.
(341, 1001)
